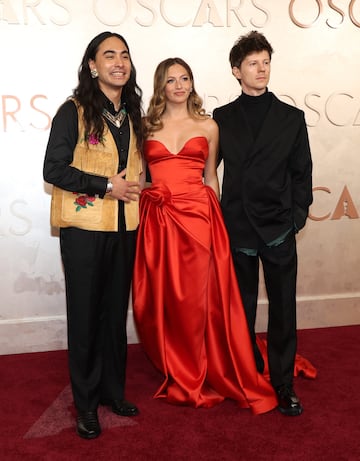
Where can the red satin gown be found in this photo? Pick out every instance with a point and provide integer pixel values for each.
(187, 306)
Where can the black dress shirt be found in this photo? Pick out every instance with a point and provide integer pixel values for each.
(60, 148)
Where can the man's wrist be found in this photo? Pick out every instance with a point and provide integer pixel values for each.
(109, 187)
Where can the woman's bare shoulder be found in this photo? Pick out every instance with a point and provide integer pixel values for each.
(211, 126)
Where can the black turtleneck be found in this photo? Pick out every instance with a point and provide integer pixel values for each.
(255, 108)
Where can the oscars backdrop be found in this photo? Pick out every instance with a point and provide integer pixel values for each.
(315, 66)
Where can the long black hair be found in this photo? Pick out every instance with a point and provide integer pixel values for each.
(89, 95)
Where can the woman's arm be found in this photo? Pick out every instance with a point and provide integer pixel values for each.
(210, 174)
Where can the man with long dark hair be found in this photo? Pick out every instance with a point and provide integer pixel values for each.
(93, 159)
(266, 194)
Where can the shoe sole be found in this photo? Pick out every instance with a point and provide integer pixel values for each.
(291, 411)
(108, 403)
(88, 437)
(134, 413)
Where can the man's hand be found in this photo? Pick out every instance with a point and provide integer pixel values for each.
(124, 190)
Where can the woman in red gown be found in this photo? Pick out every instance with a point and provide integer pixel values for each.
(187, 306)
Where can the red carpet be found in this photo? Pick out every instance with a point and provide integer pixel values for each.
(37, 419)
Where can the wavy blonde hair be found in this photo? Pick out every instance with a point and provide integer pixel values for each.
(157, 105)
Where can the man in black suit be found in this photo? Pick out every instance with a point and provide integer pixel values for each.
(266, 193)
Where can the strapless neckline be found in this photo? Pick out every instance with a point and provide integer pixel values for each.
(183, 147)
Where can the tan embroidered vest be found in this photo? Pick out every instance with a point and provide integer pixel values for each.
(101, 159)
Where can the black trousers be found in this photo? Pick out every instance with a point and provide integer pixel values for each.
(98, 271)
(280, 273)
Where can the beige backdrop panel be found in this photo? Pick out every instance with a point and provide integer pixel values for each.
(316, 67)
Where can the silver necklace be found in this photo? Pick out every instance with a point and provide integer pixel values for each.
(117, 119)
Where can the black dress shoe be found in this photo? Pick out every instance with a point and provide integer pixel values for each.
(289, 403)
(122, 407)
(87, 424)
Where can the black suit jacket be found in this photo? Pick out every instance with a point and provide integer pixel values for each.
(267, 183)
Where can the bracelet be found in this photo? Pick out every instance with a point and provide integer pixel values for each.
(109, 187)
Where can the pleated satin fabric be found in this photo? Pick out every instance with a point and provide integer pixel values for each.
(187, 306)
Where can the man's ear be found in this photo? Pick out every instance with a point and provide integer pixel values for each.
(91, 63)
(236, 72)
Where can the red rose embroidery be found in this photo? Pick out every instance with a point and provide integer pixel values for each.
(83, 201)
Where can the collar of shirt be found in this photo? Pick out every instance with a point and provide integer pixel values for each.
(109, 105)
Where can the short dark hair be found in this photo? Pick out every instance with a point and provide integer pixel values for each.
(252, 42)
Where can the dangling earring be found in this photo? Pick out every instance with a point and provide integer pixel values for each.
(94, 73)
